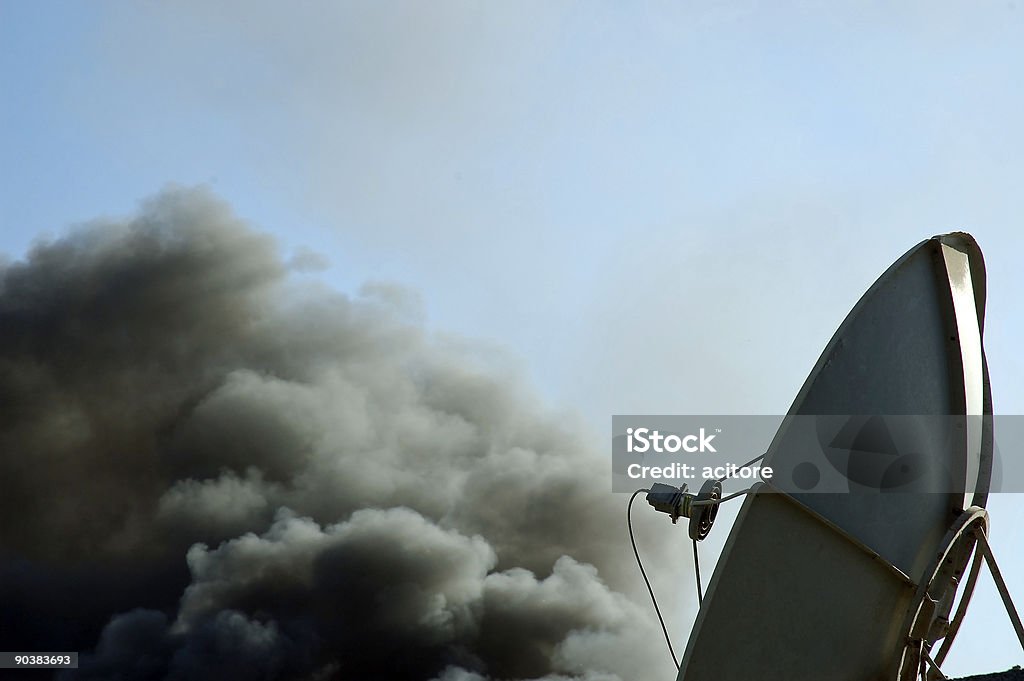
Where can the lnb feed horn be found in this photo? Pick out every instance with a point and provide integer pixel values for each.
(700, 508)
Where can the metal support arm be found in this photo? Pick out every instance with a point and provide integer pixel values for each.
(1004, 592)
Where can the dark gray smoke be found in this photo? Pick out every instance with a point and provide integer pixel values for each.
(208, 470)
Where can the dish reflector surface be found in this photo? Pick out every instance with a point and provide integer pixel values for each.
(814, 585)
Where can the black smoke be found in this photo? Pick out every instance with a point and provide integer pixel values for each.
(211, 467)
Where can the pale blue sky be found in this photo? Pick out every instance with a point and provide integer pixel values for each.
(552, 176)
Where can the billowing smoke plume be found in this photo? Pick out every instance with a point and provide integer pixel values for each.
(208, 470)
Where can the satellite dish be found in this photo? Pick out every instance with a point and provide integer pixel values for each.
(861, 584)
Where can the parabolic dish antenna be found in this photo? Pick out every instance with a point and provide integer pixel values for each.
(858, 581)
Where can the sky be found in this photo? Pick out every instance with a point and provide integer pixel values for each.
(642, 208)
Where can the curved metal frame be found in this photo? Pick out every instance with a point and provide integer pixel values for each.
(947, 568)
(961, 611)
